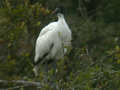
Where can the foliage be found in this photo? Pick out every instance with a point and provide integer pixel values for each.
(111, 11)
(18, 27)
(93, 63)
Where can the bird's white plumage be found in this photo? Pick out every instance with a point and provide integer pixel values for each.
(44, 43)
(47, 28)
(57, 34)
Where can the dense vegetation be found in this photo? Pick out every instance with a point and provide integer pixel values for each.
(92, 63)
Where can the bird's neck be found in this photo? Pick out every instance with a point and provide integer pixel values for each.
(60, 16)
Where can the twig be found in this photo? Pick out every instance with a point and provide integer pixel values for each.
(82, 9)
(30, 83)
(87, 52)
(12, 88)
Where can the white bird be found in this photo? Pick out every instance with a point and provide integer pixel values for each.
(52, 40)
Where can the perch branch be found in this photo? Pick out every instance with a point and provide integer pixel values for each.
(28, 83)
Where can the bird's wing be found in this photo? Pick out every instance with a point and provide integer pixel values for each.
(47, 28)
(41, 59)
(44, 44)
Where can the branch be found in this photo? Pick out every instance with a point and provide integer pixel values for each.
(12, 88)
(28, 83)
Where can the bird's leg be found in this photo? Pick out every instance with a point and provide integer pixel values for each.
(35, 70)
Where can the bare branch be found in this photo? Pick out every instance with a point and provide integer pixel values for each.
(30, 83)
(12, 88)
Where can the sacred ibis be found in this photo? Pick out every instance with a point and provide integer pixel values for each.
(52, 41)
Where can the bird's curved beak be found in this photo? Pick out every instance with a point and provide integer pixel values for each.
(55, 11)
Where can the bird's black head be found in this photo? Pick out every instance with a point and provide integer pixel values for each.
(59, 9)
